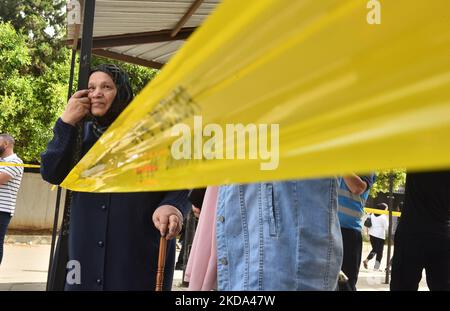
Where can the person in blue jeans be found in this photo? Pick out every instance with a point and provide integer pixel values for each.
(278, 236)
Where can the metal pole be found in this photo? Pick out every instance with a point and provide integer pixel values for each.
(57, 278)
(58, 194)
(189, 234)
(55, 226)
(86, 44)
(390, 206)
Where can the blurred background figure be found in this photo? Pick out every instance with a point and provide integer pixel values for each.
(377, 235)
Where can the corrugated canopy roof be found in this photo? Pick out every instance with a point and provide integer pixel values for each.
(145, 32)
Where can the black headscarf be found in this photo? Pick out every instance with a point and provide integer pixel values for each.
(123, 97)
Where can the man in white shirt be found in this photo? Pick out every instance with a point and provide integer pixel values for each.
(10, 178)
(377, 234)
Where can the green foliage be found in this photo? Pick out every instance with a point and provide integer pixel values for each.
(36, 19)
(382, 182)
(29, 104)
(14, 55)
(34, 71)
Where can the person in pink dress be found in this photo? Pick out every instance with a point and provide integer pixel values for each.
(201, 269)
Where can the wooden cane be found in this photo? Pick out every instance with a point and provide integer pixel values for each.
(161, 264)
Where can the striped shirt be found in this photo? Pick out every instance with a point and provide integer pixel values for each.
(351, 206)
(8, 190)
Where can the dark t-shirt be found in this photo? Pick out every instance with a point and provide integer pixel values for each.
(427, 204)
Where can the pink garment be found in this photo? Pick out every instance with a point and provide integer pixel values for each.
(201, 269)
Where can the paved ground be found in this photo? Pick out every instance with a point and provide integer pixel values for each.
(24, 267)
(25, 264)
(371, 280)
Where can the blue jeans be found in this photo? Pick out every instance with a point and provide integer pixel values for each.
(279, 236)
(5, 218)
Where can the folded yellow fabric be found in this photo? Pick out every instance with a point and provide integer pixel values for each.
(346, 95)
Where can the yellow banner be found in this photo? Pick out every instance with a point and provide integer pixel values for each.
(377, 211)
(323, 87)
(17, 164)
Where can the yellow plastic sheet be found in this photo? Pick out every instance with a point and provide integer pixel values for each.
(348, 96)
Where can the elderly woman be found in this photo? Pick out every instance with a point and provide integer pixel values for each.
(111, 235)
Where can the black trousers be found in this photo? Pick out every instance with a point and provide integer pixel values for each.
(5, 218)
(352, 240)
(377, 248)
(412, 254)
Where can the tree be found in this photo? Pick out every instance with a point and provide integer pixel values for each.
(42, 21)
(29, 105)
(383, 179)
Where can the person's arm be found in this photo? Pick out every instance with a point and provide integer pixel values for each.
(178, 199)
(196, 196)
(168, 217)
(9, 172)
(4, 178)
(355, 184)
(56, 159)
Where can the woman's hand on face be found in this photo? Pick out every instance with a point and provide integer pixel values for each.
(77, 108)
(168, 220)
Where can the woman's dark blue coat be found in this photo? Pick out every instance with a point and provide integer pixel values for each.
(111, 235)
